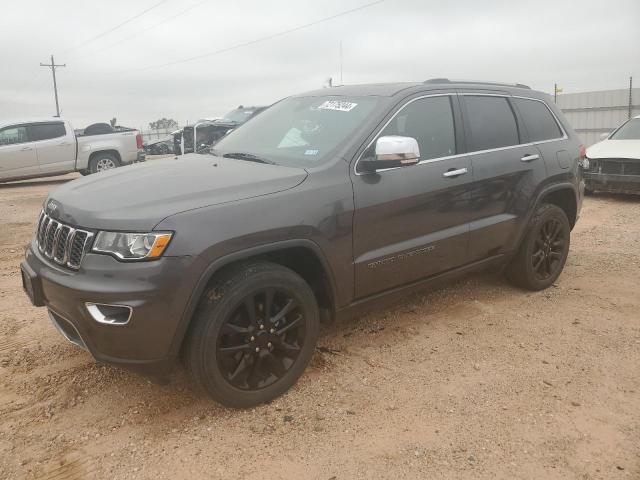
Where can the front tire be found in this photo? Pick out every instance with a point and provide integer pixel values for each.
(253, 334)
(543, 251)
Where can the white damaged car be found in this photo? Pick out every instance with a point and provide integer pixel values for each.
(613, 165)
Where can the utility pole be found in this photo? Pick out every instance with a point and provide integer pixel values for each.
(556, 91)
(53, 67)
(630, 96)
(341, 63)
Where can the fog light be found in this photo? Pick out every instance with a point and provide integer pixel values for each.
(109, 314)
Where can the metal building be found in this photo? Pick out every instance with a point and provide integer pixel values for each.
(593, 113)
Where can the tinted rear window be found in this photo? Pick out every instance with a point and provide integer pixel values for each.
(492, 122)
(45, 131)
(538, 120)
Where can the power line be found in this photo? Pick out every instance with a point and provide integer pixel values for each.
(106, 32)
(258, 40)
(140, 32)
(53, 67)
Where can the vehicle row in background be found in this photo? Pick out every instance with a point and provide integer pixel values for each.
(208, 132)
(613, 165)
(50, 146)
(162, 146)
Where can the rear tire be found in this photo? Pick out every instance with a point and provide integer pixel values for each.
(543, 251)
(253, 334)
(103, 161)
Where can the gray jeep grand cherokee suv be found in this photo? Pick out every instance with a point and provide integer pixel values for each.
(322, 204)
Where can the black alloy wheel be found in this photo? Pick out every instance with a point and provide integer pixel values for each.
(549, 248)
(543, 251)
(253, 334)
(261, 339)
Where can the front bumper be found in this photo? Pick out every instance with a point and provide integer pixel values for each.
(605, 182)
(157, 291)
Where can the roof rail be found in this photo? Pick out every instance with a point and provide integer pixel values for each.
(498, 84)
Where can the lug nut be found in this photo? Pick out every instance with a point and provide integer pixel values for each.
(269, 345)
(253, 338)
(261, 327)
(257, 349)
(273, 330)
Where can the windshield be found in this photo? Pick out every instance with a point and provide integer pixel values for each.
(628, 131)
(238, 115)
(299, 131)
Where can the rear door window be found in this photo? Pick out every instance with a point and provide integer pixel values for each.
(46, 131)
(492, 122)
(538, 120)
(13, 135)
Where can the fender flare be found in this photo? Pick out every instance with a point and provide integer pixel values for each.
(230, 258)
(554, 187)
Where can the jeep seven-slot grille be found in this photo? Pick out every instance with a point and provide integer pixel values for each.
(62, 243)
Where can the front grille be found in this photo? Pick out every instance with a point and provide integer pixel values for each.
(632, 168)
(617, 166)
(62, 243)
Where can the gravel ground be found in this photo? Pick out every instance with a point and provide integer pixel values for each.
(474, 380)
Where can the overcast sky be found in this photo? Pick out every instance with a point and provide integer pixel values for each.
(582, 45)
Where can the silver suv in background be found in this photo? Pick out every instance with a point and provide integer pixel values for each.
(49, 146)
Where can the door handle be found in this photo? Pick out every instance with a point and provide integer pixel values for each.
(26, 149)
(530, 158)
(455, 173)
(64, 144)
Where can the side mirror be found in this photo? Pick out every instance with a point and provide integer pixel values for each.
(391, 152)
(604, 136)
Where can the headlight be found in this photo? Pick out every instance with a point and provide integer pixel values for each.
(584, 163)
(132, 246)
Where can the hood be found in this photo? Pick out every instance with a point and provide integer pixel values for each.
(615, 149)
(139, 196)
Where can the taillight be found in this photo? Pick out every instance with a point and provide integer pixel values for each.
(583, 161)
(583, 152)
(139, 141)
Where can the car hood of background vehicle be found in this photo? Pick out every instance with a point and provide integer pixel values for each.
(615, 149)
(138, 197)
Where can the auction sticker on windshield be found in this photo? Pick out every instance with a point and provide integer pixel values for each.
(338, 105)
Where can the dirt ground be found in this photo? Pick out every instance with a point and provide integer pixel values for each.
(474, 380)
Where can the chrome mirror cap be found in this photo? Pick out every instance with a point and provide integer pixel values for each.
(394, 147)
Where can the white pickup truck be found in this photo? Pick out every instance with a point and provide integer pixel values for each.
(50, 146)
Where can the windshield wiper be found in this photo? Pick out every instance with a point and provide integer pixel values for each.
(249, 157)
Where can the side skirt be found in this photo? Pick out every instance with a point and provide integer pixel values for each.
(381, 299)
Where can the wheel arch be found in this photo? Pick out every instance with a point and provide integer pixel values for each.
(563, 196)
(115, 153)
(302, 256)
